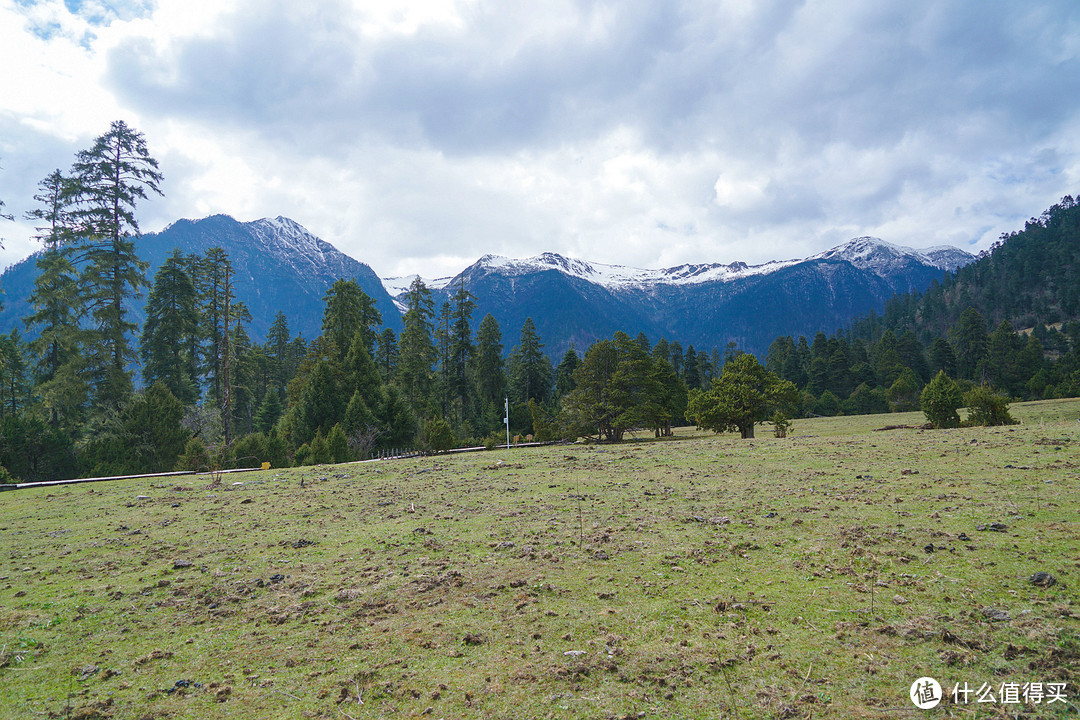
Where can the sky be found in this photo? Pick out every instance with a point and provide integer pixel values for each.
(418, 135)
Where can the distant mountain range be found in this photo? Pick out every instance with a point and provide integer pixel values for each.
(704, 305)
(278, 265)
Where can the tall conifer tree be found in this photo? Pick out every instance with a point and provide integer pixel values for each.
(110, 179)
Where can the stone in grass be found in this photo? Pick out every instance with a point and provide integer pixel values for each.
(995, 615)
(473, 639)
(1042, 579)
(574, 653)
(992, 527)
(181, 564)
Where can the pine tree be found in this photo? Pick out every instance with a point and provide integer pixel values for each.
(564, 373)
(530, 369)
(58, 373)
(386, 354)
(348, 311)
(461, 346)
(283, 364)
(109, 180)
(488, 375)
(172, 320)
(417, 349)
(269, 412)
(213, 281)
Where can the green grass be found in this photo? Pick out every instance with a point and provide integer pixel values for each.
(701, 577)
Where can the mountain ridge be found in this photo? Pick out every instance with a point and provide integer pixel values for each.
(279, 265)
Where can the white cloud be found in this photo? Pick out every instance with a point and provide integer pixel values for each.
(418, 135)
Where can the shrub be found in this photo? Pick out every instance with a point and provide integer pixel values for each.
(438, 436)
(780, 424)
(940, 399)
(986, 407)
(195, 457)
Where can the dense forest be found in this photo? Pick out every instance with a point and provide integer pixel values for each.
(93, 394)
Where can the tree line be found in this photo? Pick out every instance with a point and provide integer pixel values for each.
(212, 397)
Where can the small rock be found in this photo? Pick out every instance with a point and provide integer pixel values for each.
(992, 527)
(85, 672)
(504, 545)
(770, 515)
(422, 531)
(601, 555)
(237, 483)
(473, 639)
(900, 600)
(963, 537)
(1042, 579)
(722, 520)
(995, 615)
(181, 564)
(928, 548)
(143, 497)
(574, 653)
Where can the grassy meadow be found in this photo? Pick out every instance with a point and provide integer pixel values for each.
(700, 577)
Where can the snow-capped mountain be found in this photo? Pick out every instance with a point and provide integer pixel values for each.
(577, 301)
(277, 265)
(866, 253)
(883, 258)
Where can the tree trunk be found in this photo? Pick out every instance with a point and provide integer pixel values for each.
(747, 430)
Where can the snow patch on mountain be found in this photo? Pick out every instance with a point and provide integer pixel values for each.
(883, 258)
(866, 253)
(621, 276)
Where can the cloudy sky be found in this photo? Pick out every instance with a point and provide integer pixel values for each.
(417, 135)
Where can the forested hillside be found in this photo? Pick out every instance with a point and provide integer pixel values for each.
(1030, 278)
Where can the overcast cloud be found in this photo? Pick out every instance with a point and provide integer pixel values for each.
(418, 135)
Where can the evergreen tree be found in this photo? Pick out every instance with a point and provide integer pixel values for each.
(214, 284)
(530, 369)
(970, 340)
(320, 406)
(691, 369)
(283, 361)
(417, 349)
(338, 446)
(172, 320)
(939, 401)
(348, 311)
(14, 383)
(662, 351)
(744, 395)
(488, 375)
(461, 346)
(59, 382)
(109, 180)
(269, 412)
(677, 358)
(564, 373)
(386, 354)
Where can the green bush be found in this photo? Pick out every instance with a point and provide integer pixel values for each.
(940, 399)
(437, 435)
(195, 457)
(986, 407)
